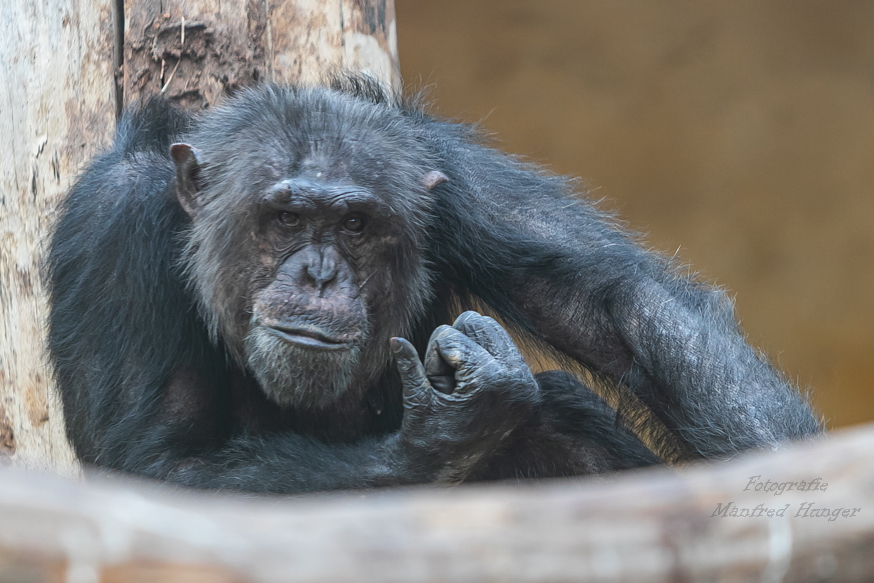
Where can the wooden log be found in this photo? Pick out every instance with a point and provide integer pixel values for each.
(56, 81)
(701, 523)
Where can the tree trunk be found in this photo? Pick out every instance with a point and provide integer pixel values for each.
(57, 108)
(68, 68)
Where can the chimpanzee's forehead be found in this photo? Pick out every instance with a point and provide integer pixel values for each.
(277, 134)
(327, 163)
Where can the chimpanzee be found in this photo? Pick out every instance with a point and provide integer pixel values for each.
(257, 297)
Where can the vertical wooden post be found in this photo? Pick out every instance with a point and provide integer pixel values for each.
(58, 108)
(56, 81)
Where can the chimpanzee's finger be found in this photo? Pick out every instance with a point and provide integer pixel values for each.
(468, 358)
(488, 334)
(412, 372)
(439, 372)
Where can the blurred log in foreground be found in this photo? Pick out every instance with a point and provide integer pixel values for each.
(703, 523)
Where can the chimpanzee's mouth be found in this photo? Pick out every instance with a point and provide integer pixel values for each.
(308, 337)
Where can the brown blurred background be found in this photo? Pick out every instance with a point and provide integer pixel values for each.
(740, 133)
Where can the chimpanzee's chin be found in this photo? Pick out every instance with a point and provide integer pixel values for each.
(300, 376)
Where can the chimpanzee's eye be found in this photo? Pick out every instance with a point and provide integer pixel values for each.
(354, 224)
(289, 219)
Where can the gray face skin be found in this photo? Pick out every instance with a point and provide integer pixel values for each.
(309, 324)
(306, 298)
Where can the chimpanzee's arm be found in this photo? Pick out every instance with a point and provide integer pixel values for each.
(573, 433)
(177, 436)
(445, 435)
(290, 463)
(560, 269)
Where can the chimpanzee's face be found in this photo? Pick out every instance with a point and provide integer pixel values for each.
(304, 278)
(309, 228)
(320, 245)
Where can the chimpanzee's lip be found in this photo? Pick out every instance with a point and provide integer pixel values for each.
(309, 337)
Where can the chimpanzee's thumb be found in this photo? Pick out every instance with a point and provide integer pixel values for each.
(416, 384)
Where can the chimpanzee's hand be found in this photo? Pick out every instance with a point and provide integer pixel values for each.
(472, 391)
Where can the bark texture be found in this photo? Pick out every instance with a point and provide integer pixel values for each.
(196, 53)
(56, 85)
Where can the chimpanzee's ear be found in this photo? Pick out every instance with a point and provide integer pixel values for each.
(187, 159)
(433, 178)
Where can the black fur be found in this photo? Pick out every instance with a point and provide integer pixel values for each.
(148, 360)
